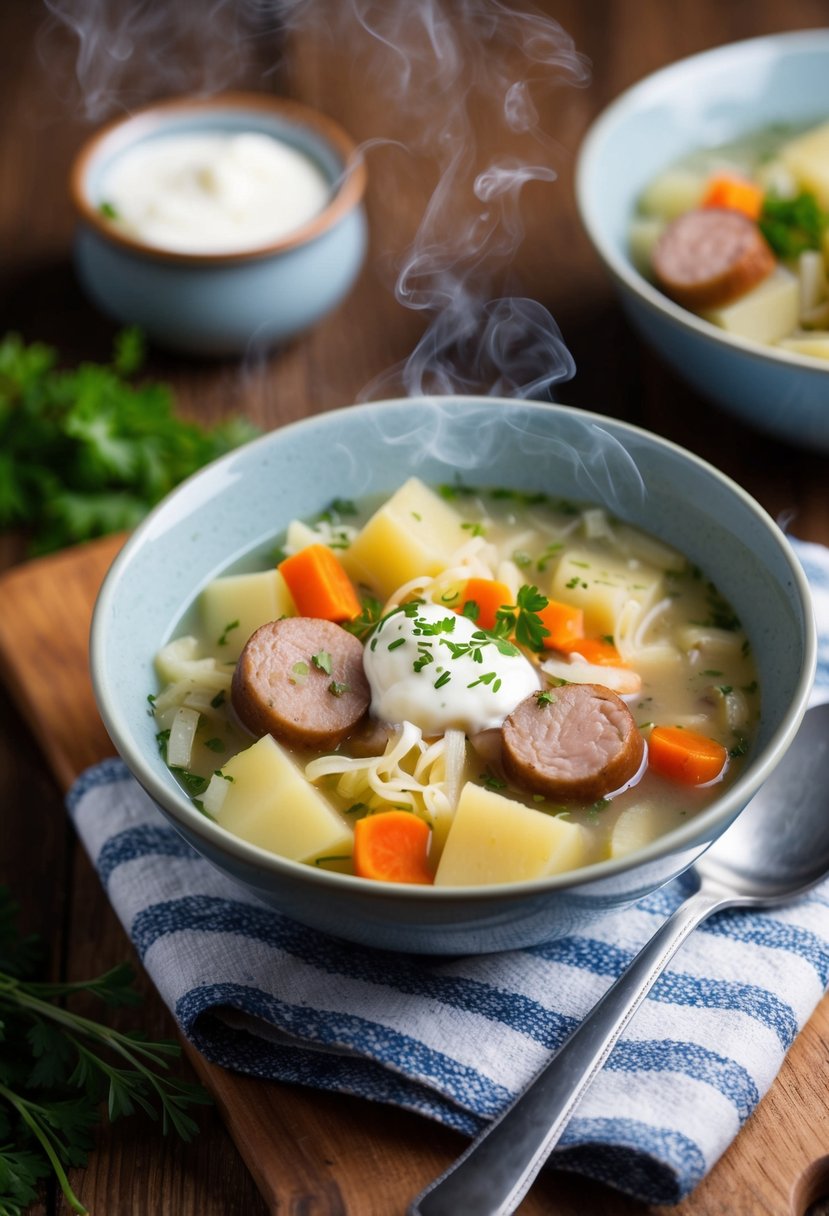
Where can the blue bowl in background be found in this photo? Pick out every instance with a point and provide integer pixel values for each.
(227, 517)
(700, 102)
(223, 303)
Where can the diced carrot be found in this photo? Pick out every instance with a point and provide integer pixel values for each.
(392, 846)
(595, 650)
(564, 622)
(489, 595)
(685, 756)
(735, 193)
(319, 585)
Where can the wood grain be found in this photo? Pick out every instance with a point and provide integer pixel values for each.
(337, 1154)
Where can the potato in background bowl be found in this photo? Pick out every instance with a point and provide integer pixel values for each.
(230, 511)
(702, 102)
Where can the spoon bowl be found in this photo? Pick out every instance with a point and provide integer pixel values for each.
(776, 850)
(779, 846)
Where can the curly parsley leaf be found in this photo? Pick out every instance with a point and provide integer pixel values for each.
(88, 451)
(793, 225)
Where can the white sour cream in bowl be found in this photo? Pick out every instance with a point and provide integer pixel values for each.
(428, 665)
(214, 192)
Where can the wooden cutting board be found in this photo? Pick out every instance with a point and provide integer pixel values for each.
(311, 1151)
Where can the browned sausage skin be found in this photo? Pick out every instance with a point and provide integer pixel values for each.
(711, 256)
(281, 685)
(575, 742)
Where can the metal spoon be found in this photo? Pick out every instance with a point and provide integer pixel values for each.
(775, 850)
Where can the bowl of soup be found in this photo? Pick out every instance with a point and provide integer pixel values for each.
(219, 224)
(704, 189)
(453, 675)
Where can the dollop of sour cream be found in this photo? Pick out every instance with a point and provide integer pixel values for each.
(421, 665)
(213, 193)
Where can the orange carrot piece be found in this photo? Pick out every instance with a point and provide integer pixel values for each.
(735, 193)
(392, 846)
(564, 622)
(685, 756)
(595, 650)
(319, 585)
(489, 595)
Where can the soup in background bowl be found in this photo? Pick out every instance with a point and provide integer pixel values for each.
(721, 96)
(226, 519)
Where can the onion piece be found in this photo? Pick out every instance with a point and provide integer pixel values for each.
(182, 734)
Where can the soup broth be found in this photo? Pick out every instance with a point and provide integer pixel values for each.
(580, 598)
(739, 234)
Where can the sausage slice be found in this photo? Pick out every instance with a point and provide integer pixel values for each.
(577, 742)
(710, 256)
(281, 685)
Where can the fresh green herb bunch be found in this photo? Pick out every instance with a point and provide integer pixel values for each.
(57, 1066)
(793, 225)
(85, 451)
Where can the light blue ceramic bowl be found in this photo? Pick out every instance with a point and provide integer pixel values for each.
(227, 517)
(223, 304)
(700, 102)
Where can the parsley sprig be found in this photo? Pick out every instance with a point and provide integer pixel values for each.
(87, 451)
(56, 1065)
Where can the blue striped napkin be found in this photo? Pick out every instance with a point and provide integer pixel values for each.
(455, 1039)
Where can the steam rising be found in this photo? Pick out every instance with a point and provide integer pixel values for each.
(435, 67)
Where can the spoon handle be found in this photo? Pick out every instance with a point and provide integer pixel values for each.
(495, 1172)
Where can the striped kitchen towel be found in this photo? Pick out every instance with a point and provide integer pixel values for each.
(455, 1038)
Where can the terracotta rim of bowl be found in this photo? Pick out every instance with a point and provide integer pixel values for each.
(121, 132)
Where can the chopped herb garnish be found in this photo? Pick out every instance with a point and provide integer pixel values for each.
(574, 582)
(322, 661)
(161, 739)
(356, 808)
(193, 783)
(369, 617)
(740, 747)
(545, 698)
(711, 672)
(725, 689)
(472, 610)
(323, 861)
(215, 744)
(490, 678)
(217, 772)
(750, 688)
(546, 557)
(522, 559)
(416, 515)
(218, 701)
(474, 527)
(491, 783)
(231, 625)
(300, 671)
(793, 225)
(442, 679)
(337, 688)
(108, 210)
(396, 644)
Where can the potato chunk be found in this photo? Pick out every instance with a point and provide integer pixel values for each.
(495, 839)
(636, 826)
(232, 608)
(602, 586)
(766, 313)
(807, 159)
(415, 532)
(269, 803)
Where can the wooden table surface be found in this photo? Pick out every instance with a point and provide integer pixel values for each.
(52, 92)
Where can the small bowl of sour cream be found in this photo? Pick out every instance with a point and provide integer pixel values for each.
(219, 224)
